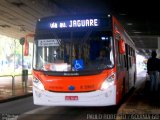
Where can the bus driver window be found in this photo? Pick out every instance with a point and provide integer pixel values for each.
(103, 58)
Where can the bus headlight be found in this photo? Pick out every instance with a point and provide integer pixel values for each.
(38, 84)
(108, 82)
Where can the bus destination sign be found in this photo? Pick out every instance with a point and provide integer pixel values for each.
(75, 23)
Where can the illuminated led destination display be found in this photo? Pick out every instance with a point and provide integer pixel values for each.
(75, 23)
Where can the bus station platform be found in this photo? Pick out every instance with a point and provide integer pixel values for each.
(13, 87)
(142, 102)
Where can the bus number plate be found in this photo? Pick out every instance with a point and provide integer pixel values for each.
(71, 98)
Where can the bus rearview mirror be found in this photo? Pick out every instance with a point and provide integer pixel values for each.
(122, 49)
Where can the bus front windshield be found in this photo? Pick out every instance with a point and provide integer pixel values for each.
(74, 51)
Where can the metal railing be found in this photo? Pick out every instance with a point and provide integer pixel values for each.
(13, 83)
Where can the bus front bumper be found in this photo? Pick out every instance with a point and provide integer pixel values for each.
(95, 98)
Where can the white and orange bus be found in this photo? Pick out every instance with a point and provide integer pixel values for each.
(67, 69)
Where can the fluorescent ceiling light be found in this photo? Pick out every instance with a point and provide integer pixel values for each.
(137, 32)
(129, 23)
(123, 14)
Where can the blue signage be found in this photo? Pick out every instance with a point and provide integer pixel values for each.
(78, 64)
(75, 23)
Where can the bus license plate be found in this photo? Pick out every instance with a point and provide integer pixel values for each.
(71, 97)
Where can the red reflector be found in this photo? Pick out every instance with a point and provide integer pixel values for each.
(71, 97)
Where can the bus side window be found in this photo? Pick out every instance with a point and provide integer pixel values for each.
(124, 58)
(131, 51)
(123, 61)
(118, 55)
(131, 56)
(130, 65)
(122, 64)
(127, 57)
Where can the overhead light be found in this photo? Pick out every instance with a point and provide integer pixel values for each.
(109, 15)
(129, 24)
(122, 14)
(137, 32)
